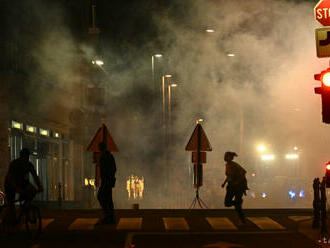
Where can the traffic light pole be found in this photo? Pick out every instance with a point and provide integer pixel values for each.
(320, 208)
(316, 203)
(324, 231)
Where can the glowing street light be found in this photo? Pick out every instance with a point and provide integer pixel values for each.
(291, 156)
(295, 148)
(168, 75)
(209, 30)
(261, 148)
(267, 157)
(97, 62)
(230, 54)
(158, 55)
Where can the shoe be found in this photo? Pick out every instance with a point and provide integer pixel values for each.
(105, 222)
(241, 222)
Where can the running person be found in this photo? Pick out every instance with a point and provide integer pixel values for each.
(237, 184)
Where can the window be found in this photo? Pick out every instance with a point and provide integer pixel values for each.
(15, 124)
(44, 132)
(31, 129)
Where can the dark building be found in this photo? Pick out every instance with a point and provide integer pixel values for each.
(51, 94)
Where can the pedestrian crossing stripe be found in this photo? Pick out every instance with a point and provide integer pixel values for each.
(175, 224)
(266, 223)
(300, 218)
(221, 223)
(83, 224)
(129, 224)
(45, 222)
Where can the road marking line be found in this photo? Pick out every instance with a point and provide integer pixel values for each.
(83, 224)
(177, 223)
(266, 223)
(300, 218)
(129, 224)
(221, 223)
(45, 222)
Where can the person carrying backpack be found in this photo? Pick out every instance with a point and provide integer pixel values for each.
(236, 184)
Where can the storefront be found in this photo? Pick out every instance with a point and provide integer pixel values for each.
(50, 157)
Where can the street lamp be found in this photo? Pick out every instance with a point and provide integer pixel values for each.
(163, 96)
(291, 156)
(267, 157)
(173, 85)
(158, 55)
(209, 30)
(98, 62)
(261, 148)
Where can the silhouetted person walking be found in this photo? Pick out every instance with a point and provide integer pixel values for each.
(108, 179)
(237, 184)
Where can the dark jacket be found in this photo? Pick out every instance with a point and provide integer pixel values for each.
(108, 169)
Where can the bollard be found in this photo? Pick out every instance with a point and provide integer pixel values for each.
(316, 203)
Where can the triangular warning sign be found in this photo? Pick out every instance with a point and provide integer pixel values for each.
(198, 139)
(102, 135)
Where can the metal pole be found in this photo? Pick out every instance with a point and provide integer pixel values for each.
(169, 108)
(324, 231)
(316, 203)
(163, 101)
(153, 72)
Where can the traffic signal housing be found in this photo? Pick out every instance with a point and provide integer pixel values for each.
(327, 174)
(324, 91)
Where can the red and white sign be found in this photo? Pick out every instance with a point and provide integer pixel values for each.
(322, 12)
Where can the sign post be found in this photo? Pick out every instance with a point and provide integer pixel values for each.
(322, 35)
(198, 144)
(102, 135)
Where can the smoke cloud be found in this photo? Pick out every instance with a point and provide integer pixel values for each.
(264, 94)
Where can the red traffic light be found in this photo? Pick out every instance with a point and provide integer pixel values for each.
(324, 91)
(324, 77)
(328, 166)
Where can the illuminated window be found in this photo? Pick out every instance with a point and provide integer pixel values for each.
(56, 135)
(135, 187)
(44, 132)
(31, 129)
(16, 124)
(92, 182)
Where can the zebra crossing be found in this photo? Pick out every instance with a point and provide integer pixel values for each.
(176, 223)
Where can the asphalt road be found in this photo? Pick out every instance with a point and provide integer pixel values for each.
(170, 228)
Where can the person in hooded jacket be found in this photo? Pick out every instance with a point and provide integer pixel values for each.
(236, 184)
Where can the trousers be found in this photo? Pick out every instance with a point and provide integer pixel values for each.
(104, 197)
(234, 198)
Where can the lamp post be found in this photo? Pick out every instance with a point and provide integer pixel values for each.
(163, 99)
(158, 55)
(172, 85)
